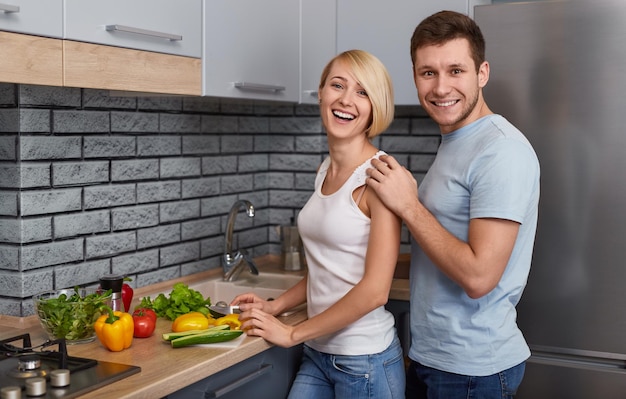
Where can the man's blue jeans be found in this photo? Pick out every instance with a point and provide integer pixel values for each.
(427, 383)
(326, 376)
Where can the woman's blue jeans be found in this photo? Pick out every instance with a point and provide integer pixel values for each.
(376, 376)
(427, 383)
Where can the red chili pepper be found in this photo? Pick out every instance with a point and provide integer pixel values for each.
(127, 294)
(144, 321)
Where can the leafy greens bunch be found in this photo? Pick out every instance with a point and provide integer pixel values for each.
(180, 301)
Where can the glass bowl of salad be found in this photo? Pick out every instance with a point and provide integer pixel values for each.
(71, 313)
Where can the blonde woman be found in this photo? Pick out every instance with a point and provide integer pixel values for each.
(351, 241)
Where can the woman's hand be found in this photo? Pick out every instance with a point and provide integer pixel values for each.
(261, 324)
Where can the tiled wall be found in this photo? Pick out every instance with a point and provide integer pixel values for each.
(93, 182)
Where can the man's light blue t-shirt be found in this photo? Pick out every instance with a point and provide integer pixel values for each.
(487, 169)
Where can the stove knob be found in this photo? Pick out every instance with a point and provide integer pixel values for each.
(11, 393)
(60, 378)
(36, 386)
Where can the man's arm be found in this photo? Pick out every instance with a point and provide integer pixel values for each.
(476, 265)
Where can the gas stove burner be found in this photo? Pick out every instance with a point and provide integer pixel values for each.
(28, 362)
(29, 366)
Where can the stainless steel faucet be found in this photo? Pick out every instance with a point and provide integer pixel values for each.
(235, 262)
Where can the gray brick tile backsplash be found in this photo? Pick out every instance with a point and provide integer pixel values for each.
(82, 122)
(83, 223)
(179, 253)
(180, 123)
(49, 147)
(134, 122)
(81, 273)
(253, 163)
(142, 169)
(296, 125)
(180, 167)
(148, 146)
(79, 173)
(237, 183)
(219, 124)
(138, 262)
(8, 203)
(179, 210)
(9, 122)
(110, 244)
(53, 253)
(199, 228)
(160, 103)
(92, 182)
(26, 175)
(52, 201)
(201, 145)
(194, 188)
(135, 217)
(35, 121)
(109, 147)
(217, 165)
(36, 229)
(253, 124)
(45, 96)
(158, 236)
(8, 148)
(7, 95)
(9, 256)
(109, 195)
(158, 191)
(237, 144)
(107, 99)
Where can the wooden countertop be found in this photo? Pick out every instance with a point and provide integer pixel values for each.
(163, 369)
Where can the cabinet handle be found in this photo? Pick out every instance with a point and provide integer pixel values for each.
(312, 93)
(137, 31)
(8, 8)
(258, 87)
(218, 393)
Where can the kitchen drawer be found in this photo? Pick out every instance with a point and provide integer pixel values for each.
(267, 375)
(35, 17)
(171, 27)
(30, 59)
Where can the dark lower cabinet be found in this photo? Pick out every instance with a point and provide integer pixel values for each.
(267, 375)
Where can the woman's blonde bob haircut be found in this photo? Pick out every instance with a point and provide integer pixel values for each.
(374, 78)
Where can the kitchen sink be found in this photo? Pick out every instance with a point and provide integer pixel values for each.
(265, 285)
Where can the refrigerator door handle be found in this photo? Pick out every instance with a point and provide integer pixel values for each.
(580, 359)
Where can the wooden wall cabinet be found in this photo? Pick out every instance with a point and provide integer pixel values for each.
(30, 59)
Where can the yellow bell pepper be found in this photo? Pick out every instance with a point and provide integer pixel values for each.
(231, 319)
(190, 321)
(115, 330)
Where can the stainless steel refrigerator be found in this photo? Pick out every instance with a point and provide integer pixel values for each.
(558, 72)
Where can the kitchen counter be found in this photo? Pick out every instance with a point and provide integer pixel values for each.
(163, 369)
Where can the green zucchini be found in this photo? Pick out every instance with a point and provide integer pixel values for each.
(173, 335)
(209, 337)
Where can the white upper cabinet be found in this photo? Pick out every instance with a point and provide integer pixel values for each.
(163, 26)
(251, 49)
(318, 44)
(34, 17)
(384, 28)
